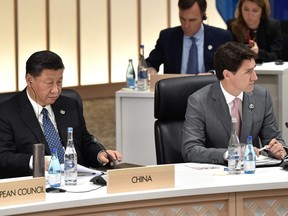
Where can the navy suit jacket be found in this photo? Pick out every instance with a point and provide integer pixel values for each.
(20, 129)
(169, 46)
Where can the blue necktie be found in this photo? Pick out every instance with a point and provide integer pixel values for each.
(51, 135)
(192, 66)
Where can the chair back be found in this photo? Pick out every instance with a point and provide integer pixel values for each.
(170, 104)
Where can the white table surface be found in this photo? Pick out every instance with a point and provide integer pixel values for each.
(188, 181)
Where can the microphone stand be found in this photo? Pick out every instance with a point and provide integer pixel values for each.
(111, 159)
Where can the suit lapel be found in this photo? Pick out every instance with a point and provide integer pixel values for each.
(247, 116)
(178, 48)
(61, 113)
(221, 108)
(28, 115)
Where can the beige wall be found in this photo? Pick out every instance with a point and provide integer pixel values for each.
(95, 38)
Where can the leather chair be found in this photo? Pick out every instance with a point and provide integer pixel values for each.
(170, 104)
(66, 92)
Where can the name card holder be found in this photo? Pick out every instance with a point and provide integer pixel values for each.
(141, 178)
(22, 190)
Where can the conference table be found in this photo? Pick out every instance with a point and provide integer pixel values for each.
(135, 114)
(200, 189)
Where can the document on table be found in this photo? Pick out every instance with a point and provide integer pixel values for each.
(267, 161)
(82, 170)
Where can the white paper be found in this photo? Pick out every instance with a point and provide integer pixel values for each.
(82, 170)
(265, 160)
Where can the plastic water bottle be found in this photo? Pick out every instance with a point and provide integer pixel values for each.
(54, 170)
(249, 157)
(70, 160)
(130, 75)
(234, 151)
(142, 82)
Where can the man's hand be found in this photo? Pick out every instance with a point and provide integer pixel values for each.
(277, 149)
(103, 157)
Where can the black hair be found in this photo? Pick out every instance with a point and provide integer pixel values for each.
(41, 60)
(186, 4)
(230, 56)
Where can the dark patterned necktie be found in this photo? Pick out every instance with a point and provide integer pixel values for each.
(51, 135)
(192, 66)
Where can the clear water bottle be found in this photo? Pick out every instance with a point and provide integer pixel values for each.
(130, 75)
(142, 82)
(234, 151)
(70, 160)
(54, 170)
(249, 157)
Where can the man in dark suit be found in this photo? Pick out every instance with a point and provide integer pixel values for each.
(172, 47)
(207, 126)
(21, 123)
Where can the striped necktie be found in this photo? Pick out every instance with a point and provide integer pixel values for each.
(51, 135)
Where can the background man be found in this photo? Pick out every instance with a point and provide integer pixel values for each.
(173, 46)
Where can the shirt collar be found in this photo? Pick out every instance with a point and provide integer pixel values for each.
(228, 97)
(199, 35)
(38, 108)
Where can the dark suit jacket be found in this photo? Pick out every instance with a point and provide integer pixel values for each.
(20, 129)
(269, 39)
(169, 47)
(207, 126)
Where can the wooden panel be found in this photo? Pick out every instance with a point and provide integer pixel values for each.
(174, 13)
(63, 37)
(124, 37)
(94, 42)
(156, 15)
(216, 204)
(269, 202)
(7, 44)
(31, 32)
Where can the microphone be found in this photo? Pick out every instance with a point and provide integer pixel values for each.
(111, 159)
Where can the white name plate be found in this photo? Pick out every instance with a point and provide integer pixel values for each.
(22, 190)
(141, 178)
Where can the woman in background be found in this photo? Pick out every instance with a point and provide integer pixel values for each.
(253, 26)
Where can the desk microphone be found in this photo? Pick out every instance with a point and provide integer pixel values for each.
(111, 159)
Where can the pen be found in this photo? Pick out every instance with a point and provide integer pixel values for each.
(263, 148)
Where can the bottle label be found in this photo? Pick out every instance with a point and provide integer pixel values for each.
(54, 179)
(130, 83)
(143, 74)
(249, 166)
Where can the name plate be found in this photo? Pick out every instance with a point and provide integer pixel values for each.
(141, 178)
(22, 190)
